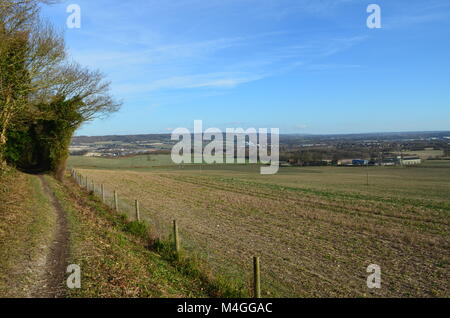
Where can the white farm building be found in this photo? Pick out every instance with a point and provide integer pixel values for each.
(411, 161)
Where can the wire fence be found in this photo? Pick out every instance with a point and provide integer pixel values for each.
(226, 260)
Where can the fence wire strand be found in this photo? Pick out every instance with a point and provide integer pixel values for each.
(203, 246)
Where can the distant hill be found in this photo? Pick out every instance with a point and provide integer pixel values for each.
(121, 138)
(283, 137)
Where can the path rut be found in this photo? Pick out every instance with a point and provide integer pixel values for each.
(51, 284)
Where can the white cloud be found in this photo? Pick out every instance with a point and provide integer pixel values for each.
(154, 55)
(326, 67)
(174, 66)
(212, 80)
(141, 65)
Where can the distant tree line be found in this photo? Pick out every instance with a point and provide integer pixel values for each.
(307, 157)
(44, 97)
(447, 152)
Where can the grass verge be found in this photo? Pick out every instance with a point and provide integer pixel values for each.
(118, 259)
(27, 222)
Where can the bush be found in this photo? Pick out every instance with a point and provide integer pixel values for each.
(137, 228)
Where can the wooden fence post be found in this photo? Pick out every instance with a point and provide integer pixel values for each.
(176, 238)
(87, 184)
(138, 212)
(116, 201)
(103, 194)
(256, 278)
(367, 174)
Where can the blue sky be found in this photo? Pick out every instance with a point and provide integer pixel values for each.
(304, 66)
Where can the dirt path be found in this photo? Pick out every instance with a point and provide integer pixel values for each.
(53, 276)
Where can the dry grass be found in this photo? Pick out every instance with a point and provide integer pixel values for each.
(315, 232)
(26, 229)
(115, 263)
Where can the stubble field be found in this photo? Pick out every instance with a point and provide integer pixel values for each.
(316, 229)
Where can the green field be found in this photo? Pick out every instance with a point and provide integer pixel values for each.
(316, 229)
(151, 161)
(136, 162)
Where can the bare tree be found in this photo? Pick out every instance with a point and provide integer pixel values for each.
(30, 52)
(73, 81)
(39, 88)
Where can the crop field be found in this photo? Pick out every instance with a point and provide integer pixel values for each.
(428, 153)
(316, 229)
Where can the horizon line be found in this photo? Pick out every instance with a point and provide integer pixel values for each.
(293, 134)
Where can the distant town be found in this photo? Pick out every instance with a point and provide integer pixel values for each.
(384, 149)
(120, 146)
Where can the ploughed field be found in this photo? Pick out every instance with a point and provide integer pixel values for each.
(316, 229)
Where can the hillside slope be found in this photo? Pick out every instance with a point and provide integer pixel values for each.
(114, 262)
(27, 223)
